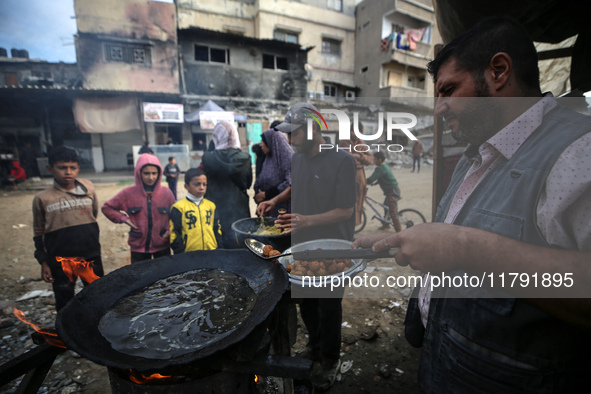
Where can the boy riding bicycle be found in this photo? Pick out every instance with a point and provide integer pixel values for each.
(383, 176)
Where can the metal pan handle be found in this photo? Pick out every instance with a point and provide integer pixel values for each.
(353, 254)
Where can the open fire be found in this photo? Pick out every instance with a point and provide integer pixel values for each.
(50, 337)
(77, 267)
(140, 378)
(73, 267)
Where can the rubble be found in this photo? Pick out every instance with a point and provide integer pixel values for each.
(15, 340)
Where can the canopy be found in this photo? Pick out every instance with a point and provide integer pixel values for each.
(210, 106)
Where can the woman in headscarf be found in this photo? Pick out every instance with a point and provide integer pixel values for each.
(229, 175)
(275, 175)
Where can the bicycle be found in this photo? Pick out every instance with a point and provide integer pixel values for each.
(408, 217)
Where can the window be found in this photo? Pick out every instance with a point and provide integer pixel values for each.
(41, 74)
(331, 46)
(116, 53)
(416, 81)
(273, 62)
(336, 5)
(364, 69)
(126, 53)
(330, 90)
(286, 36)
(204, 53)
(394, 78)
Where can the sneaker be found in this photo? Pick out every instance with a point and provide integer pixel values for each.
(384, 226)
(324, 374)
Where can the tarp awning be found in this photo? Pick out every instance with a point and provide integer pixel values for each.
(106, 115)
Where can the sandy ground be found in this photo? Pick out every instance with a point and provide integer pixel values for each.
(373, 338)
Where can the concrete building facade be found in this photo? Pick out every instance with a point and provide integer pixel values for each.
(127, 54)
(387, 64)
(326, 28)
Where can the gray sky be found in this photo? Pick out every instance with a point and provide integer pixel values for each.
(42, 27)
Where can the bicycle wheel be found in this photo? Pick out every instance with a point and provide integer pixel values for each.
(409, 217)
(361, 225)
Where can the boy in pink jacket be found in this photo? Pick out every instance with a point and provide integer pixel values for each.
(145, 209)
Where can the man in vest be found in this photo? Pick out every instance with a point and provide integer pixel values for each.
(519, 202)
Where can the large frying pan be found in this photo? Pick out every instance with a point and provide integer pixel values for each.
(77, 323)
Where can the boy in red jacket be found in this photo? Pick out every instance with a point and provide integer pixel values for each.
(144, 208)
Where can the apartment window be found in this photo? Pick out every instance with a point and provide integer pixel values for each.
(286, 36)
(115, 53)
(330, 90)
(336, 5)
(205, 53)
(273, 62)
(331, 46)
(41, 74)
(126, 53)
(415, 81)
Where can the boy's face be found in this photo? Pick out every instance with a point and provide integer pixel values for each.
(149, 175)
(197, 186)
(377, 161)
(65, 173)
(172, 161)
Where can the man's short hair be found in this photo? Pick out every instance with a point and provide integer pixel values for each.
(62, 154)
(380, 155)
(275, 123)
(474, 48)
(192, 173)
(170, 158)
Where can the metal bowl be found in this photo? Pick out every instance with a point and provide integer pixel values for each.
(244, 228)
(358, 264)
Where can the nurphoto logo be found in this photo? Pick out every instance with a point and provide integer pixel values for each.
(345, 131)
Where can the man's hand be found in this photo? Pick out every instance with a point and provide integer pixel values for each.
(431, 247)
(293, 222)
(46, 273)
(265, 207)
(130, 224)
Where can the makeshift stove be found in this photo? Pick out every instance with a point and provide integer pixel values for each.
(240, 363)
(245, 368)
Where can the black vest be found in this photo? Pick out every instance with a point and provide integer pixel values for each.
(460, 328)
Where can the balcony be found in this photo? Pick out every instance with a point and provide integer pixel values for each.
(407, 96)
(417, 58)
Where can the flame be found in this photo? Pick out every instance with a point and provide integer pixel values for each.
(140, 378)
(257, 379)
(50, 337)
(77, 266)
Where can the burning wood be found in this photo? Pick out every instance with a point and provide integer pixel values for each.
(77, 267)
(50, 337)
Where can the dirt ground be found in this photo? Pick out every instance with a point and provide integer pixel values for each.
(377, 358)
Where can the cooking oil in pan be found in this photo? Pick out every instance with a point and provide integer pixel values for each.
(178, 314)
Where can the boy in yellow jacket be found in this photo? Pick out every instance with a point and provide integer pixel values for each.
(193, 222)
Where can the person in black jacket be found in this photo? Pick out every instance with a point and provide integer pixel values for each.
(229, 176)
